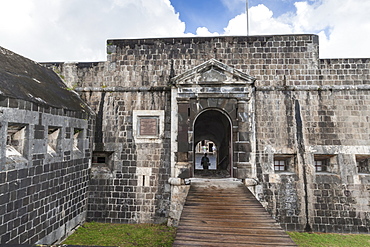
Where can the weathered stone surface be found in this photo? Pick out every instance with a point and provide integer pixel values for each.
(44, 168)
(261, 99)
(23, 79)
(292, 104)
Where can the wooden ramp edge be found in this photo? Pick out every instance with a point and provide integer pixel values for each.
(223, 212)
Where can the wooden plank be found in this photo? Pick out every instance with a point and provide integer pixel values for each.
(223, 244)
(231, 220)
(235, 239)
(210, 242)
(233, 233)
(220, 228)
(221, 214)
(227, 216)
(255, 229)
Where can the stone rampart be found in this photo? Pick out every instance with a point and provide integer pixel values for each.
(309, 117)
(303, 127)
(45, 150)
(43, 183)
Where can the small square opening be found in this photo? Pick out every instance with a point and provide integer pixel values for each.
(16, 138)
(362, 163)
(325, 163)
(53, 139)
(101, 158)
(78, 136)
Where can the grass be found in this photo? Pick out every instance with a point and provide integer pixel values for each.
(305, 239)
(105, 234)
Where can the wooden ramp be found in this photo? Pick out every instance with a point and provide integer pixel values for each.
(223, 212)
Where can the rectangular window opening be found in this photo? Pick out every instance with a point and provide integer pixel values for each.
(15, 141)
(53, 139)
(78, 136)
(325, 163)
(279, 165)
(320, 165)
(284, 162)
(102, 159)
(362, 163)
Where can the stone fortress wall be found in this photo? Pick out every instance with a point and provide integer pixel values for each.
(45, 149)
(43, 195)
(130, 186)
(307, 148)
(306, 109)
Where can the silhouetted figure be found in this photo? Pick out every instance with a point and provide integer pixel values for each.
(205, 162)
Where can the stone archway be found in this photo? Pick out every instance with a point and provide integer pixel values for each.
(212, 101)
(214, 125)
(215, 95)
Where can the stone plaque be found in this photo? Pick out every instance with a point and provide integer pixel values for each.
(148, 126)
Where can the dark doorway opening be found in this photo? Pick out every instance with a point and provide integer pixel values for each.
(212, 135)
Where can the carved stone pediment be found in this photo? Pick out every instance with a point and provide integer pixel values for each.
(212, 72)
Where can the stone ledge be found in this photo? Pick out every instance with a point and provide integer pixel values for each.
(122, 89)
(250, 182)
(176, 181)
(313, 88)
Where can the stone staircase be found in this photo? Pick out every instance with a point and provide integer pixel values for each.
(223, 212)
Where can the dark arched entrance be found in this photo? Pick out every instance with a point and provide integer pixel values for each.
(214, 125)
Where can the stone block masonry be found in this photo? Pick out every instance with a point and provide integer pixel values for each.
(303, 128)
(43, 192)
(334, 132)
(45, 150)
(133, 186)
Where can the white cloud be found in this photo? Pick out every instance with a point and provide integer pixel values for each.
(261, 22)
(343, 26)
(235, 5)
(203, 31)
(77, 30)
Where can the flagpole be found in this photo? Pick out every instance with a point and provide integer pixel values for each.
(246, 3)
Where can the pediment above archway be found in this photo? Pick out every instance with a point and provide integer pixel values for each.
(212, 72)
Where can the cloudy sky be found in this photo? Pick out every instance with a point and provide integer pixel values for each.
(77, 30)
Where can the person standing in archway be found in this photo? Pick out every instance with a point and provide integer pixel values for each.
(205, 162)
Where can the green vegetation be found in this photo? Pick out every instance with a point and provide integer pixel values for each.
(72, 88)
(305, 239)
(105, 234)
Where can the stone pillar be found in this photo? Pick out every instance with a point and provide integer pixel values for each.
(179, 158)
(242, 145)
(182, 166)
(179, 192)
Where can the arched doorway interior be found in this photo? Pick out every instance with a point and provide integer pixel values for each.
(214, 126)
(206, 147)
